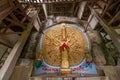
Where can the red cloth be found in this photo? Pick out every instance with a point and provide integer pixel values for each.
(89, 62)
(63, 46)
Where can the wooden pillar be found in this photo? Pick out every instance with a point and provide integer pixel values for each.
(81, 9)
(37, 23)
(86, 27)
(45, 10)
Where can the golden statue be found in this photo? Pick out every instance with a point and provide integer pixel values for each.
(64, 46)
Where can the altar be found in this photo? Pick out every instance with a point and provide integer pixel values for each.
(64, 49)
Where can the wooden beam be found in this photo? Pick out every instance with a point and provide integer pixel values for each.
(73, 8)
(6, 28)
(116, 17)
(109, 14)
(81, 9)
(14, 17)
(7, 10)
(107, 29)
(3, 3)
(9, 64)
(36, 24)
(19, 12)
(45, 10)
(86, 27)
(26, 7)
(3, 42)
(115, 27)
(20, 7)
(106, 8)
(111, 6)
(9, 33)
(11, 3)
(16, 23)
(76, 10)
(5, 13)
(25, 18)
(2, 54)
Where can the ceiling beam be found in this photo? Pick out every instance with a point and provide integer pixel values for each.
(16, 23)
(45, 10)
(106, 8)
(81, 9)
(9, 33)
(14, 17)
(115, 18)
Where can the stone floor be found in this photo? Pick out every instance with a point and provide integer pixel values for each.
(22, 70)
(113, 72)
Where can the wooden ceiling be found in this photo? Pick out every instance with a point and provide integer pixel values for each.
(13, 13)
(70, 7)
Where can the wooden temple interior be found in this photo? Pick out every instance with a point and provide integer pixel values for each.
(23, 22)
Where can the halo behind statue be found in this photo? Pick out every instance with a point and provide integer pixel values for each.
(55, 37)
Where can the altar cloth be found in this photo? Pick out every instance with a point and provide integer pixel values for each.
(82, 68)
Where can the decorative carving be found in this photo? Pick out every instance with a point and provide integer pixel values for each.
(55, 37)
